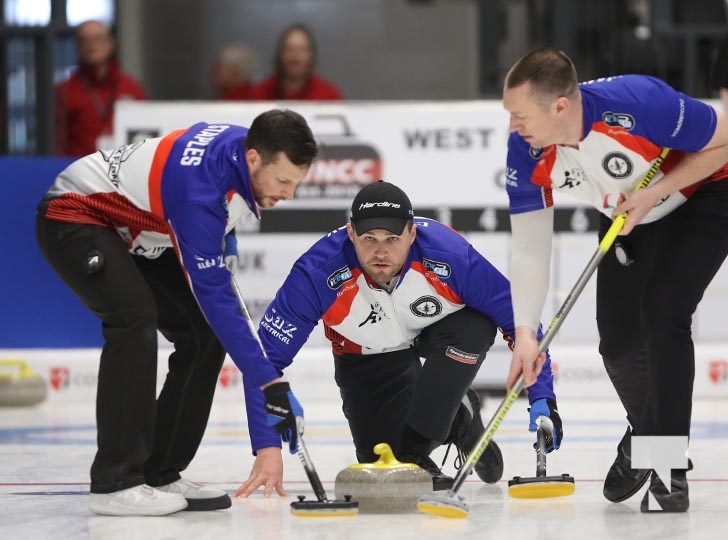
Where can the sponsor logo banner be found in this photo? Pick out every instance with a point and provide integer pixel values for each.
(410, 143)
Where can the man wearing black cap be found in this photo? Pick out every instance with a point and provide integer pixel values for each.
(390, 289)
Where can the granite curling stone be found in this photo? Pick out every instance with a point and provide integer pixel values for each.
(20, 386)
(385, 486)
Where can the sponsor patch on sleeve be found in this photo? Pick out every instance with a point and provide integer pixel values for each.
(461, 356)
(335, 280)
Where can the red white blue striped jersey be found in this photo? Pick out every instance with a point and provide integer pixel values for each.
(443, 274)
(627, 121)
(175, 191)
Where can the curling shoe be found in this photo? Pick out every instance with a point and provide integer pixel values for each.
(198, 497)
(440, 481)
(489, 466)
(142, 500)
(658, 499)
(622, 480)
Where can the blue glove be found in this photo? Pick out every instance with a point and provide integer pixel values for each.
(283, 408)
(547, 408)
(230, 251)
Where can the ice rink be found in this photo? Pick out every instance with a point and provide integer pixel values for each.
(46, 451)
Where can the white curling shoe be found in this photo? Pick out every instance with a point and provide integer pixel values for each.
(142, 500)
(199, 497)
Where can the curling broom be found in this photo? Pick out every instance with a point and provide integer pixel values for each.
(450, 503)
(541, 486)
(322, 507)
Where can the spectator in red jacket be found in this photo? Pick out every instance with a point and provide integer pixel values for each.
(84, 104)
(295, 75)
(231, 72)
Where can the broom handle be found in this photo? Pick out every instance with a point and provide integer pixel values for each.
(303, 454)
(540, 452)
(556, 323)
(308, 466)
(512, 395)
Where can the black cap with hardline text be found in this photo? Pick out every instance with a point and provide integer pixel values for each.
(381, 205)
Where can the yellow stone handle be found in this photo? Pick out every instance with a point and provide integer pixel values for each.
(25, 370)
(386, 460)
(386, 456)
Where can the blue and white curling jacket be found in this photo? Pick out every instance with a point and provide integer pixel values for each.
(442, 275)
(184, 190)
(624, 132)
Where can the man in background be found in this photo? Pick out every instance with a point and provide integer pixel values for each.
(84, 104)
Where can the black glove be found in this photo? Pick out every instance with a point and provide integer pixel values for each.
(283, 409)
(547, 408)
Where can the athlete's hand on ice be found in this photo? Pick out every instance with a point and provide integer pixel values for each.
(525, 358)
(545, 410)
(283, 409)
(267, 473)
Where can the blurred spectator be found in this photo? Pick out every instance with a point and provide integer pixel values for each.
(234, 65)
(295, 75)
(84, 104)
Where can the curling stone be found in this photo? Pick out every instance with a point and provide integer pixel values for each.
(385, 486)
(20, 386)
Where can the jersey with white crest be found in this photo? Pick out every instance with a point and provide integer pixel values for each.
(443, 274)
(176, 190)
(627, 121)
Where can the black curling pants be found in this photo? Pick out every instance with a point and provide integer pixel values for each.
(645, 310)
(383, 393)
(141, 438)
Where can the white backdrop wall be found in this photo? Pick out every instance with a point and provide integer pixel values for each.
(443, 153)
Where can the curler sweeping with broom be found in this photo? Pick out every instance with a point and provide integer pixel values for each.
(595, 141)
(391, 288)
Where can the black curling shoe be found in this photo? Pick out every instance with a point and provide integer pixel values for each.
(440, 481)
(489, 466)
(659, 499)
(622, 480)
